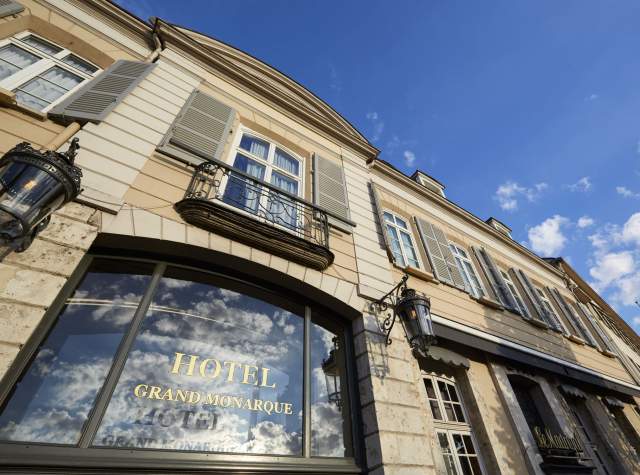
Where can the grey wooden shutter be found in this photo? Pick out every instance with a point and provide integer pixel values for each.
(200, 130)
(533, 296)
(97, 98)
(440, 256)
(383, 228)
(9, 7)
(495, 279)
(574, 320)
(606, 341)
(330, 190)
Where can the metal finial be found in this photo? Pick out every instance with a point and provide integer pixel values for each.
(72, 151)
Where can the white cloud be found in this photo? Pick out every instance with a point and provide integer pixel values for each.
(631, 230)
(547, 238)
(508, 193)
(585, 222)
(610, 267)
(626, 192)
(377, 124)
(636, 321)
(591, 97)
(335, 83)
(582, 185)
(409, 157)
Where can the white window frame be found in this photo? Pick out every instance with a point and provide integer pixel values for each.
(515, 295)
(269, 168)
(449, 428)
(461, 256)
(46, 62)
(399, 229)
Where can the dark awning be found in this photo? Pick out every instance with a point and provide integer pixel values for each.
(448, 357)
(572, 391)
(612, 401)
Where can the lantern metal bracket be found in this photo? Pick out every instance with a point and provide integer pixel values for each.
(390, 299)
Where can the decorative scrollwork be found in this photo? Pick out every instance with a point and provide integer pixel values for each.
(388, 302)
(216, 181)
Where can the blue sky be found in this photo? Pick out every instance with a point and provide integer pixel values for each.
(526, 111)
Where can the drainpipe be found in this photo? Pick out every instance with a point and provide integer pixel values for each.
(155, 37)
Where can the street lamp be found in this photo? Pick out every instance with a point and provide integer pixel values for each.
(414, 311)
(34, 184)
(331, 369)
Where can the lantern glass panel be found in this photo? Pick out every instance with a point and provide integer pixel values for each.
(28, 192)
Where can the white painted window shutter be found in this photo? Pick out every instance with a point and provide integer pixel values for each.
(98, 97)
(442, 261)
(493, 275)
(200, 131)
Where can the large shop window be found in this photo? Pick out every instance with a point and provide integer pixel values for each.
(150, 356)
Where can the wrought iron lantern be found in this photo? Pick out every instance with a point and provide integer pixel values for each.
(331, 369)
(34, 184)
(414, 311)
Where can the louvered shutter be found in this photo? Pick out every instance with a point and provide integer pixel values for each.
(200, 131)
(495, 279)
(603, 341)
(98, 97)
(330, 191)
(581, 330)
(440, 256)
(9, 7)
(531, 294)
(383, 228)
(606, 341)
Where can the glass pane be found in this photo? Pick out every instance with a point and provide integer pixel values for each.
(466, 466)
(475, 465)
(45, 89)
(79, 64)
(52, 399)
(453, 392)
(444, 442)
(429, 385)
(242, 192)
(328, 420)
(395, 245)
(450, 465)
(459, 413)
(257, 147)
(281, 209)
(215, 367)
(443, 390)
(435, 410)
(13, 59)
(400, 222)
(408, 249)
(448, 409)
(42, 45)
(388, 217)
(285, 161)
(468, 443)
(284, 183)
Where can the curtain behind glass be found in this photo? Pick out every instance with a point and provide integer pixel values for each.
(242, 192)
(13, 59)
(258, 147)
(286, 162)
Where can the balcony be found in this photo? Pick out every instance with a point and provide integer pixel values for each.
(234, 204)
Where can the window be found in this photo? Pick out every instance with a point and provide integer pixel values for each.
(514, 293)
(455, 438)
(547, 305)
(400, 240)
(469, 275)
(40, 73)
(148, 356)
(270, 163)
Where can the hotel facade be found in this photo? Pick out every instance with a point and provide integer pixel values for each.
(206, 269)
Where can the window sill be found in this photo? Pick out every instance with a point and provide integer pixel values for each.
(8, 99)
(488, 302)
(539, 323)
(608, 353)
(576, 339)
(419, 273)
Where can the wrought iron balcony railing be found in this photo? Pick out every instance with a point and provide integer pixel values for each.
(229, 201)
